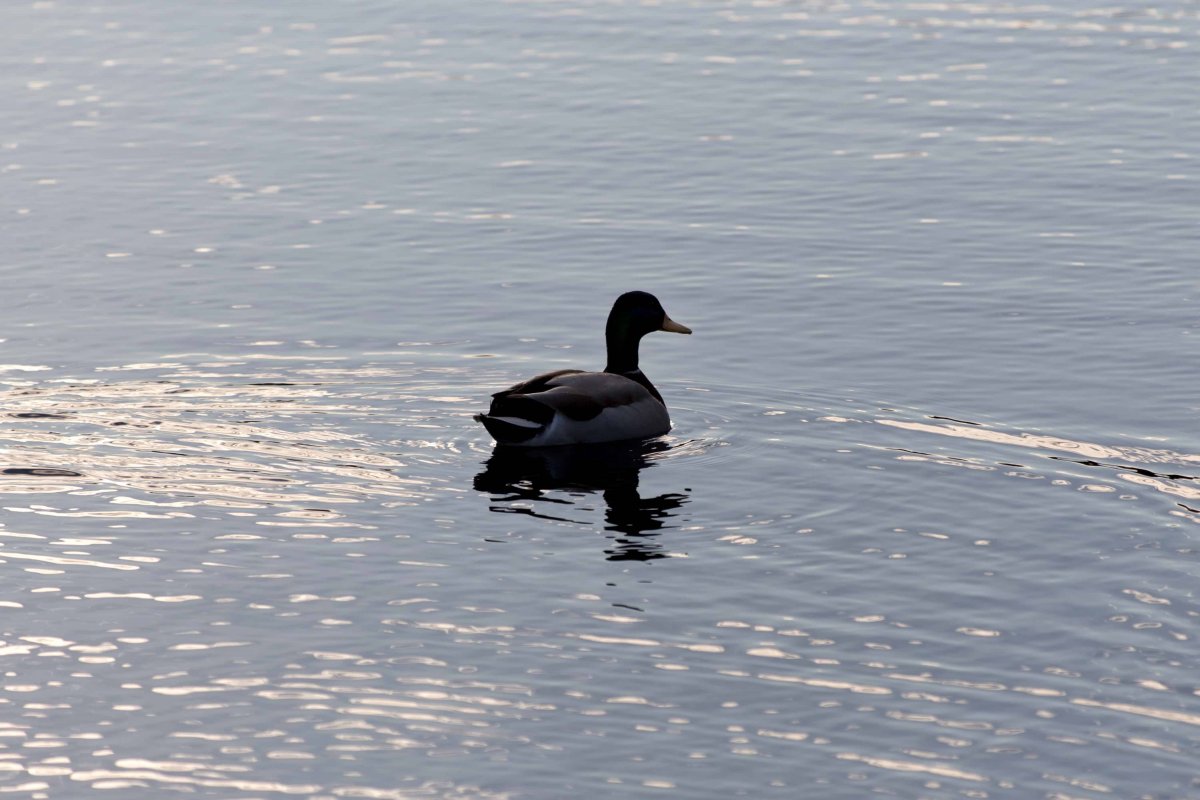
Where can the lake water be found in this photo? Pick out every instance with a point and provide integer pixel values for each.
(926, 525)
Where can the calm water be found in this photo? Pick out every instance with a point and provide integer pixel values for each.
(927, 522)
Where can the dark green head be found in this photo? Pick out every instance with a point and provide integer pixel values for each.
(633, 316)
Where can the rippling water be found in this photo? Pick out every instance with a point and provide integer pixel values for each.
(260, 586)
(925, 524)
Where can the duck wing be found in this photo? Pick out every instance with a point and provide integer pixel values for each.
(538, 383)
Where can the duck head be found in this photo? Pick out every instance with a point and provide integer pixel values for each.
(633, 315)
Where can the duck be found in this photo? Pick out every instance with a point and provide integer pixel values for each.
(571, 406)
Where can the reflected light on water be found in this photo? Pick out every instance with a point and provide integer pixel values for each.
(1087, 454)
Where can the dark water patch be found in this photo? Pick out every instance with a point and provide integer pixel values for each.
(1127, 468)
(518, 478)
(949, 419)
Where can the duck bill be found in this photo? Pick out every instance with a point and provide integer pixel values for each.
(673, 326)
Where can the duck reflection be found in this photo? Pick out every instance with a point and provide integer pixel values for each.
(540, 477)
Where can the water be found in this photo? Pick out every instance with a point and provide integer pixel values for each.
(925, 525)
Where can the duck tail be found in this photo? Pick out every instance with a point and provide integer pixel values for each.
(510, 430)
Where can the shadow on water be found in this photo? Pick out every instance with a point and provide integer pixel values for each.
(547, 482)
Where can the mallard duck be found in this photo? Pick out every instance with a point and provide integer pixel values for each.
(570, 406)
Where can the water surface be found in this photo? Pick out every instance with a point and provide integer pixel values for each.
(925, 524)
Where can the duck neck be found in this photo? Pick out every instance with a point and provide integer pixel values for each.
(623, 358)
(622, 349)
